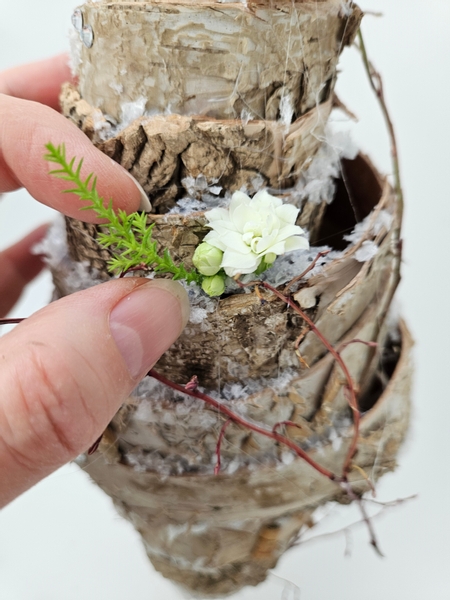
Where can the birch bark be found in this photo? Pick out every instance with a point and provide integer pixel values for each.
(239, 95)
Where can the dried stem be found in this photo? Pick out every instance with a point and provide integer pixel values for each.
(353, 402)
(307, 270)
(365, 516)
(384, 507)
(11, 321)
(286, 424)
(219, 444)
(366, 478)
(376, 83)
(225, 410)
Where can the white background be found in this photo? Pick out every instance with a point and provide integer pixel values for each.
(63, 539)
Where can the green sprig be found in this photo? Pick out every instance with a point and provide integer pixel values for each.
(128, 235)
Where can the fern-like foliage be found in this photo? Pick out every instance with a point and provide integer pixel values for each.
(128, 235)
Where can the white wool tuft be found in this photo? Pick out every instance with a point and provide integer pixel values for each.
(130, 111)
(367, 251)
(366, 227)
(286, 110)
(317, 183)
(79, 276)
(203, 194)
(246, 116)
(347, 8)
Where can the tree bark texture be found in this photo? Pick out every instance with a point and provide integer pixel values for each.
(234, 92)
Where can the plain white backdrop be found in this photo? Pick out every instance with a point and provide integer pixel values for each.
(63, 539)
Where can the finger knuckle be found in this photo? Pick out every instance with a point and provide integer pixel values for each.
(55, 409)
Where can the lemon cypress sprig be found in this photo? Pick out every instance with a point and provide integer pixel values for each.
(129, 236)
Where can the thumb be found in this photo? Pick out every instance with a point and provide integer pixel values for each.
(66, 370)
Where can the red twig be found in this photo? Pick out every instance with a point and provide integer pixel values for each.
(288, 423)
(11, 321)
(353, 402)
(95, 445)
(376, 83)
(219, 444)
(141, 267)
(192, 384)
(358, 341)
(307, 270)
(224, 410)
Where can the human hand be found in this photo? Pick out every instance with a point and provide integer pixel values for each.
(66, 370)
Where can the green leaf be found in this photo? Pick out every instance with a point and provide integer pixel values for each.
(128, 235)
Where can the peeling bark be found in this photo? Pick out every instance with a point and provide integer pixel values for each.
(160, 151)
(212, 58)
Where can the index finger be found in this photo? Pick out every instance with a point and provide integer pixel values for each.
(38, 81)
(26, 126)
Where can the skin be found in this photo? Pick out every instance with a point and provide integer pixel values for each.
(66, 370)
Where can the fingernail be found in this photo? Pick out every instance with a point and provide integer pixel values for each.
(145, 205)
(145, 323)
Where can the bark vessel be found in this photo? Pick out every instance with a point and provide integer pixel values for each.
(192, 95)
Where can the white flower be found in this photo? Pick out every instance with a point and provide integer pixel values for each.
(253, 229)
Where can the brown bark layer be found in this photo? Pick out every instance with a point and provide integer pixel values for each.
(161, 151)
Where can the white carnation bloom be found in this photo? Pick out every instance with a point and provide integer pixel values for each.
(252, 229)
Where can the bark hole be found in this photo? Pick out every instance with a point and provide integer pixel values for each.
(357, 193)
(388, 363)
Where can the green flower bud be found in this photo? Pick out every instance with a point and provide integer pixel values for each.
(214, 286)
(269, 257)
(207, 260)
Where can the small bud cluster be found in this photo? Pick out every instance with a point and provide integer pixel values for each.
(207, 260)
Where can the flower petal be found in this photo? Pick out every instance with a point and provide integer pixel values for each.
(241, 216)
(223, 227)
(263, 244)
(266, 199)
(288, 231)
(278, 248)
(217, 214)
(235, 263)
(214, 240)
(296, 243)
(234, 241)
(287, 213)
(230, 239)
(238, 199)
